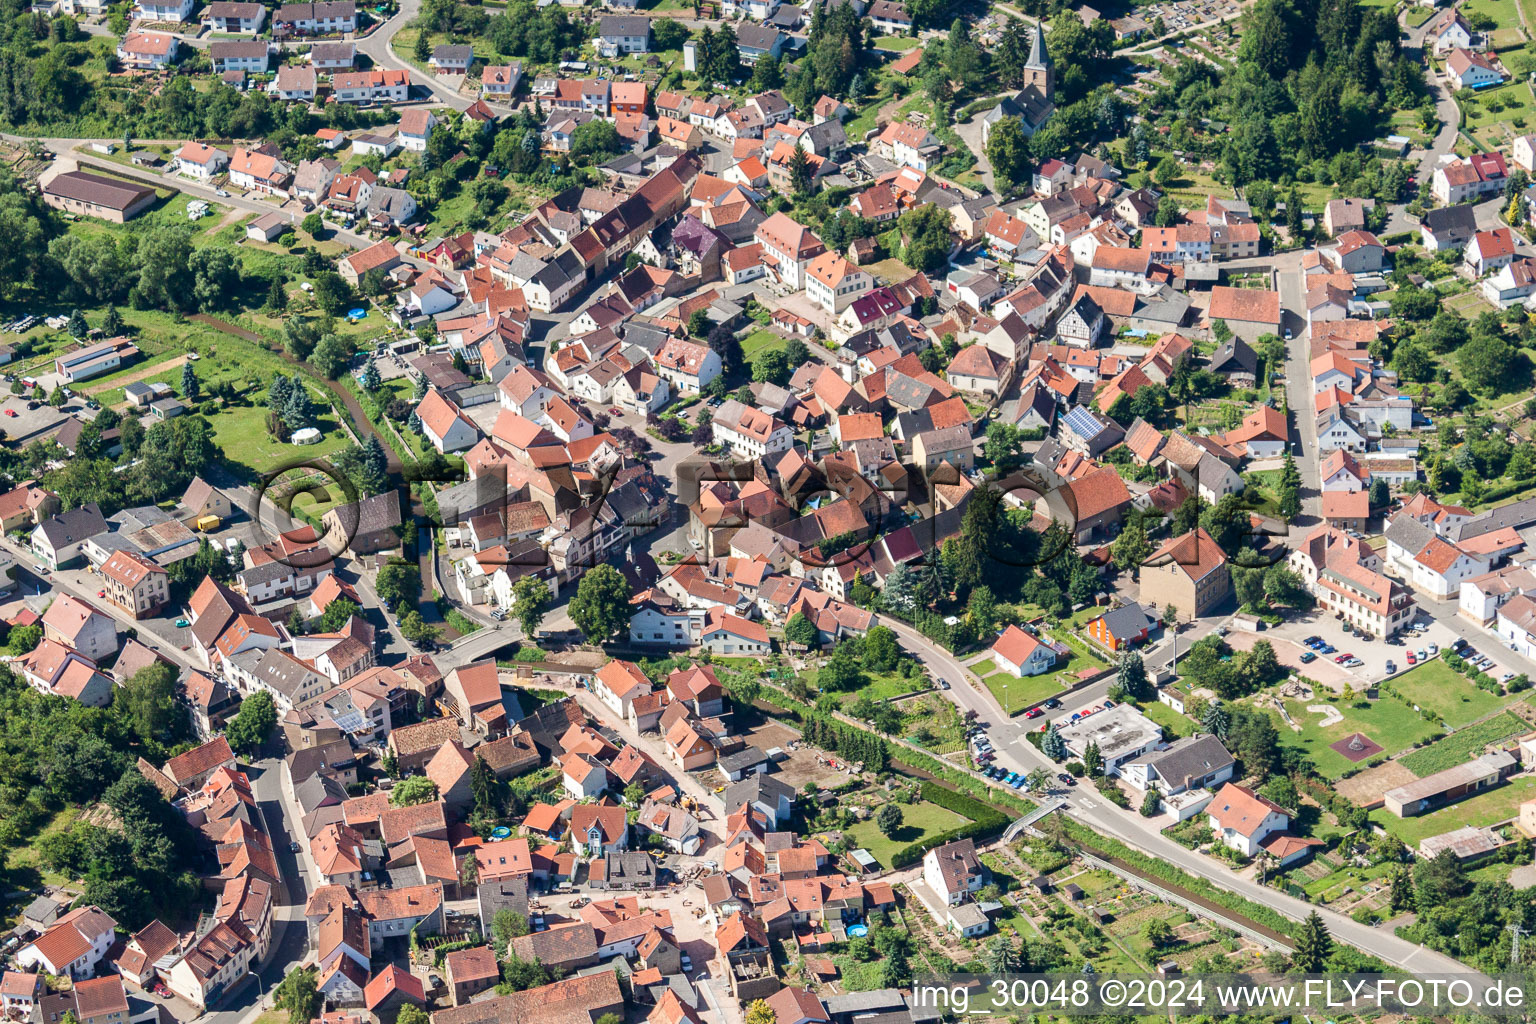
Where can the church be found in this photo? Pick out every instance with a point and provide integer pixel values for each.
(1034, 103)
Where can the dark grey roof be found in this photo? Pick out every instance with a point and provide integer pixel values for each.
(74, 526)
(757, 37)
(1408, 533)
(502, 893)
(630, 866)
(830, 135)
(1190, 758)
(388, 201)
(265, 574)
(1235, 356)
(907, 391)
(332, 51)
(757, 789)
(1518, 516)
(876, 1001)
(1458, 218)
(451, 51)
(745, 758)
(280, 671)
(237, 49)
(380, 512)
(1127, 621)
(623, 25)
(318, 790)
(307, 761)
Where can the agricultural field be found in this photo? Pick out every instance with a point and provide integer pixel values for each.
(1460, 746)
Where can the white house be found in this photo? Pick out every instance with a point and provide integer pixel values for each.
(444, 425)
(623, 33)
(74, 945)
(832, 282)
(1195, 762)
(1523, 153)
(1021, 654)
(618, 683)
(1450, 31)
(1511, 284)
(196, 160)
(1468, 70)
(1243, 820)
(415, 128)
(749, 433)
(908, 145)
(426, 298)
(954, 870)
(688, 367)
(165, 11)
(1490, 250)
(1340, 471)
(1441, 568)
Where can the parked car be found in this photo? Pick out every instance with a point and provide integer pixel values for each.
(1391, 667)
(1307, 657)
(1412, 659)
(1066, 780)
(1052, 704)
(1033, 713)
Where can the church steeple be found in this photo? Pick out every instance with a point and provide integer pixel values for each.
(1039, 71)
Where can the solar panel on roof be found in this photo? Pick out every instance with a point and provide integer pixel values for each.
(1082, 422)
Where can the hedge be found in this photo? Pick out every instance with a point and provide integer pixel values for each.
(985, 822)
(909, 756)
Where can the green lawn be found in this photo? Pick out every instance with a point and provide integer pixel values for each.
(919, 820)
(1015, 694)
(21, 863)
(1492, 115)
(241, 433)
(1388, 722)
(759, 341)
(1173, 723)
(1487, 808)
(1435, 687)
(1460, 746)
(900, 44)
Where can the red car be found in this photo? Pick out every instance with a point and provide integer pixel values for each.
(1033, 713)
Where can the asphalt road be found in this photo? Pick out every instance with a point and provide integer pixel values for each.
(1016, 753)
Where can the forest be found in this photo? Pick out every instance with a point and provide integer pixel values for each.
(55, 753)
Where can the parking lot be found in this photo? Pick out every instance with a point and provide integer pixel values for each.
(1289, 641)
